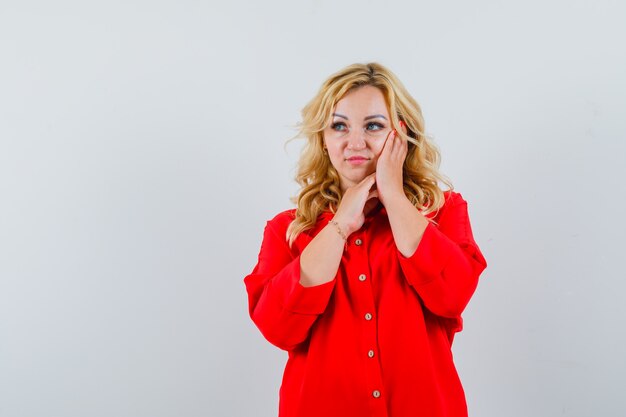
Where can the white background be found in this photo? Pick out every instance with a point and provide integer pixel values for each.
(141, 152)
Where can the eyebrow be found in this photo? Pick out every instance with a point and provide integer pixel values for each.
(374, 116)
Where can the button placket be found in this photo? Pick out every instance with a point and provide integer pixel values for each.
(363, 292)
(370, 339)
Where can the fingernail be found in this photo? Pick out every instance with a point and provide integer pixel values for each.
(402, 124)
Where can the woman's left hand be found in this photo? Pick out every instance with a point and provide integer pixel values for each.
(389, 181)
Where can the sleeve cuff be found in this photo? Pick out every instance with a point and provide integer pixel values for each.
(429, 259)
(303, 300)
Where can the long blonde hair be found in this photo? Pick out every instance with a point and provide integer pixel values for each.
(317, 177)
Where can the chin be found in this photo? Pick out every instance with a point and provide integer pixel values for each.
(358, 178)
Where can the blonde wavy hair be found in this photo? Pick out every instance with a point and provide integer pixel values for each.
(317, 177)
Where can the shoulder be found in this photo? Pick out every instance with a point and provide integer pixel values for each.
(279, 224)
(283, 219)
(277, 227)
(452, 198)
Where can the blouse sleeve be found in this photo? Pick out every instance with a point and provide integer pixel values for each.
(445, 267)
(279, 305)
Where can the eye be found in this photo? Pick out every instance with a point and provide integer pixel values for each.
(373, 126)
(338, 126)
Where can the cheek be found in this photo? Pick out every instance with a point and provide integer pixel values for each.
(332, 135)
(335, 155)
(377, 147)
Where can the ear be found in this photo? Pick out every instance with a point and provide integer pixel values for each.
(403, 127)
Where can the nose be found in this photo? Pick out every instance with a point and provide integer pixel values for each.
(356, 140)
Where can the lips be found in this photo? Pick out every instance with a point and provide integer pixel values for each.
(356, 161)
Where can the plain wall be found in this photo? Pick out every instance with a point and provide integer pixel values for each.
(141, 152)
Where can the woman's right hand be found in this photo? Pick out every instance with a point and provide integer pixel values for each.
(356, 201)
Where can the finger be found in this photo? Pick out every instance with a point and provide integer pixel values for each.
(369, 177)
(390, 137)
(368, 181)
(394, 146)
(405, 148)
(401, 147)
(387, 138)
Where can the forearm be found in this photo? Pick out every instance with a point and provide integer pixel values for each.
(407, 224)
(320, 260)
(445, 263)
(282, 308)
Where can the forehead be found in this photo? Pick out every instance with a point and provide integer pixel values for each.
(363, 101)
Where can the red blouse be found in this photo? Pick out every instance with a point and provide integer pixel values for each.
(376, 340)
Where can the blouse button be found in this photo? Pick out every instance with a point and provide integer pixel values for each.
(358, 242)
(362, 277)
(368, 316)
(370, 353)
(376, 393)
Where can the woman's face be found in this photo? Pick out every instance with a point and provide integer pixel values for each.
(356, 134)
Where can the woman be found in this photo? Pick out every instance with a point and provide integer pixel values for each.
(364, 283)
